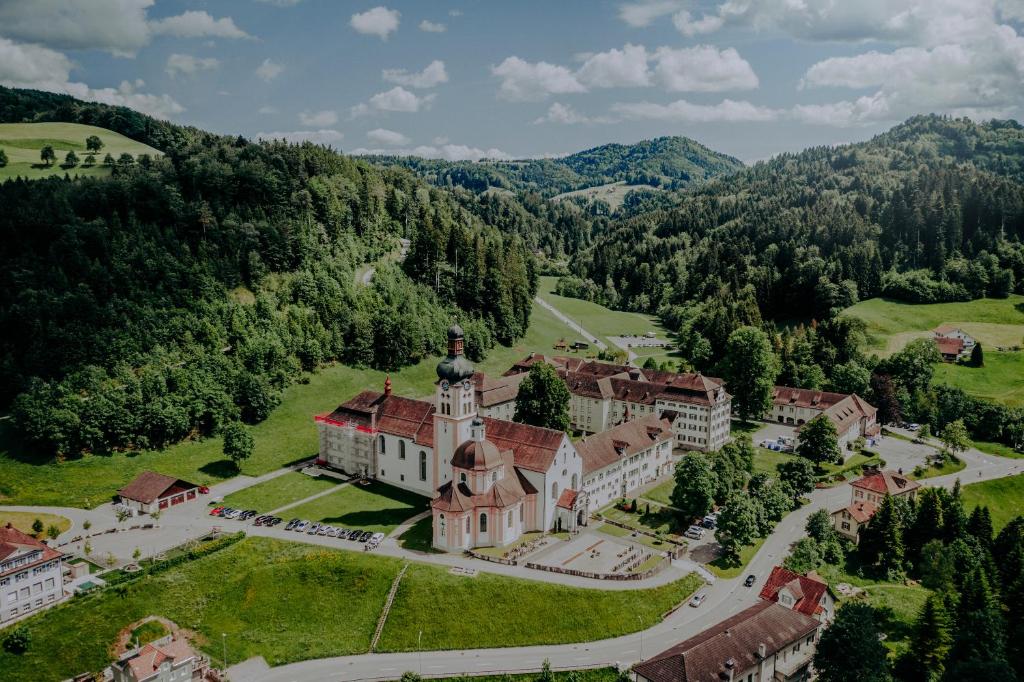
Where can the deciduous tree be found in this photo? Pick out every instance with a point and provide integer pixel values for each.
(694, 491)
(737, 525)
(818, 441)
(238, 443)
(850, 649)
(750, 368)
(47, 155)
(543, 399)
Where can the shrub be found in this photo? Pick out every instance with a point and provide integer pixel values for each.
(16, 641)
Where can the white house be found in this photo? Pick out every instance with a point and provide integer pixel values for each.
(30, 574)
(852, 416)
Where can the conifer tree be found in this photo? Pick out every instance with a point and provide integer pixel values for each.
(932, 638)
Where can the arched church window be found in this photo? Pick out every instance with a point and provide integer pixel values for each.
(574, 482)
(554, 490)
(510, 519)
(380, 444)
(494, 476)
(440, 523)
(467, 525)
(423, 465)
(483, 523)
(401, 449)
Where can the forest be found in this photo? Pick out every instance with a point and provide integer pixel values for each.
(185, 292)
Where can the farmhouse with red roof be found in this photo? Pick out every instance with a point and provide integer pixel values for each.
(867, 493)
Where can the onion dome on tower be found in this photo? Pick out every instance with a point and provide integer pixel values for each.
(455, 367)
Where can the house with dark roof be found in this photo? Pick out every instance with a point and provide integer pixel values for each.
(490, 479)
(30, 574)
(604, 395)
(767, 641)
(150, 491)
(866, 494)
(626, 457)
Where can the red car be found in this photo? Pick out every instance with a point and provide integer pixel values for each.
(216, 511)
(204, 490)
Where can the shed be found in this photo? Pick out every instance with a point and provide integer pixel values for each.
(150, 491)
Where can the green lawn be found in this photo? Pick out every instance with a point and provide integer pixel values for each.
(997, 449)
(288, 435)
(279, 491)
(493, 611)
(1000, 379)
(660, 519)
(23, 141)
(149, 631)
(274, 599)
(766, 461)
(616, 532)
(599, 320)
(375, 507)
(947, 467)
(419, 537)
(1004, 498)
(726, 569)
(662, 492)
(23, 520)
(992, 321)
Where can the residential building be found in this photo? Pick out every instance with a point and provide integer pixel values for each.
(866, 494)
(953, 343)
(30, 574)
(809, 594)
(496, 396)
(163, 660)
(478, 469)
(150, 491)
(852, 415)
(605, 394)
(620, 460)
(767, 641)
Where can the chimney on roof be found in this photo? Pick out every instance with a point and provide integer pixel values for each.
(532, 354)
(387, 385)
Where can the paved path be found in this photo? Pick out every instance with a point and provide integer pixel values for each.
(724, 598)
(568, 321)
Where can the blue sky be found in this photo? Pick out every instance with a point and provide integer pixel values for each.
(466, 79)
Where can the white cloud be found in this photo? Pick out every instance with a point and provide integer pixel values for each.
(269, 70)
(703, 68)
(455, 12)
(40, 68)
(186, 64)
(388, 137)
(379, 21)
(396, 99)
(434, 74)
(117, 26)
(449, 152)
(318, 119)
(432, 26)
(197, 24)
(566, 115)
(324, 137)
(842, 114)
(281, 3)
(682, 111)
(639, 14)
(685, 23)
(523, 81)
(266, 110)
(616, 68)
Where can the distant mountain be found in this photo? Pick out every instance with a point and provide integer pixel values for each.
(665, 162)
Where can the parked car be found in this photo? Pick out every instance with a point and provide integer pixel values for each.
(313, 528)
(355, 535)
(323, 530)
(709, 521)
(216, 511)
(301, 526)
(291, 524)
(698, 599)
(376, 538)
(204, 490)
(695, 532)
(749, 582)
(274, 521)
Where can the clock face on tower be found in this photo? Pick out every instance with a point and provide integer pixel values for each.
(467, 385)
(444, 384)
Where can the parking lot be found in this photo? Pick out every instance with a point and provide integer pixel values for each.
(250, 517)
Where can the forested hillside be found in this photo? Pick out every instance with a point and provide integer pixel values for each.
(189, 290)
(667, 162)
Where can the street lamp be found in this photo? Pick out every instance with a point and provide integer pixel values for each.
(419, 638)
(224, 639)
(640, 621)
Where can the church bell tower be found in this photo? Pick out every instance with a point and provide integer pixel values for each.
(454, 405)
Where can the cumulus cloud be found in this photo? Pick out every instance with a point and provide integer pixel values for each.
(388, 137)
(116, 26)
(186, 64)
(703, 68)
(326, 137)
(397, 99)
(197, 24)
(269, 70)
(616, 68)
(40, 68)
(525, 81)
(434, 74)
(266, 110)
(566, 115)
(318, 119)
(682, 111)
(639, 14)
(379, 21)
(432, 27)
(448, 152)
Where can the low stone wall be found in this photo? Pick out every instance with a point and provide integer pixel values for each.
(79, 538)
(654, 570)
(634, 529)
(493, 559)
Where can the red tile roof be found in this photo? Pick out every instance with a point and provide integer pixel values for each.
(806, 397)
(949, 345)
(861, 511)
(535, 447)
(149, 486)
(151, 657)
(886, 482)
(944, 329)
(703, 657)
(567, 499)
(505, 492)
(492, 391)
(13, 542)
(624, 440)
(807, 590)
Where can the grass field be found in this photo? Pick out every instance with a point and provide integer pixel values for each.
(616, 532)
(23, 520)
(376, 507)
(1004, 498)
(614, 193)
(992, 321)
(288, 435)
(725, 569)
(660, 519)
(288, 601)
(279, 491)
(1001, 379)
(419, 536)
(597, 319)
(997, 449)
(528, 612)
(947, 467)
(23, 141)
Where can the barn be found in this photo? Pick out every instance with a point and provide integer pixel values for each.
(150, 492)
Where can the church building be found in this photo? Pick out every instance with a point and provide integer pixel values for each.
(490, 479)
